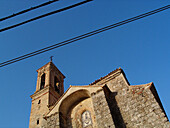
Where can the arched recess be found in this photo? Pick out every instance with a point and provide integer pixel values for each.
(69, 103)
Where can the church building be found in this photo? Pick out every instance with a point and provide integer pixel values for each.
(109, 102)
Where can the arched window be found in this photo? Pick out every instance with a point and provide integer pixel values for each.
(56, 84)
(42, 81)
(86, 119)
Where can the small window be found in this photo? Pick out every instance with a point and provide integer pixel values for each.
(42, 81)
(38, 122)
(39, 101)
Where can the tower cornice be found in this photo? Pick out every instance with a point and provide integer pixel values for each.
(39, 92)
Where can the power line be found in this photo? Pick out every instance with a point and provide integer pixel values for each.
(69, 41)
(44, 15)
(27, 10)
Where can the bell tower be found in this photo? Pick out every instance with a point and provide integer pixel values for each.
(49, 89)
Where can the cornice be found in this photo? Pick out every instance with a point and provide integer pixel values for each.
(40, 92)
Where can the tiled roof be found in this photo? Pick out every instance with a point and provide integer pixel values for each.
(96, 81)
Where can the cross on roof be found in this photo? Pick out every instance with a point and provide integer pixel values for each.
(51, 58)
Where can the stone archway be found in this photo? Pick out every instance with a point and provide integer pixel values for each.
(68, 104)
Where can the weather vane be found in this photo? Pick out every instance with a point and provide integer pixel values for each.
(51, 58)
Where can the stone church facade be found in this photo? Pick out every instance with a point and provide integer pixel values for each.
(109, 102)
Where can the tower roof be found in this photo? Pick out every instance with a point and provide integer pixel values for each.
(51, 64)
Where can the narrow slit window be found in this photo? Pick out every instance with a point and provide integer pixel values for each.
(38, 122)
(39, 101)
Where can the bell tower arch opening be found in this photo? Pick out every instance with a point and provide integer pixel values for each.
(57, 84)
(42, 81)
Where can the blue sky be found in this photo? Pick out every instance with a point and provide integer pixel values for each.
(140, 48)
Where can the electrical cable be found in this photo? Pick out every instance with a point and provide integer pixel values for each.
(44, 15)
(27, 10)
(83, 36)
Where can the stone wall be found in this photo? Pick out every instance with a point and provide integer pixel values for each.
(139, 108)
(38, 108)
(52, 121)
(102, 111)
(134, 106)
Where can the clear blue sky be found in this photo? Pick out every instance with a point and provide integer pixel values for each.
(140, 48)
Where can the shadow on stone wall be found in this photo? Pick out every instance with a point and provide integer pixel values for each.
(115, 112)
(62, 120)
